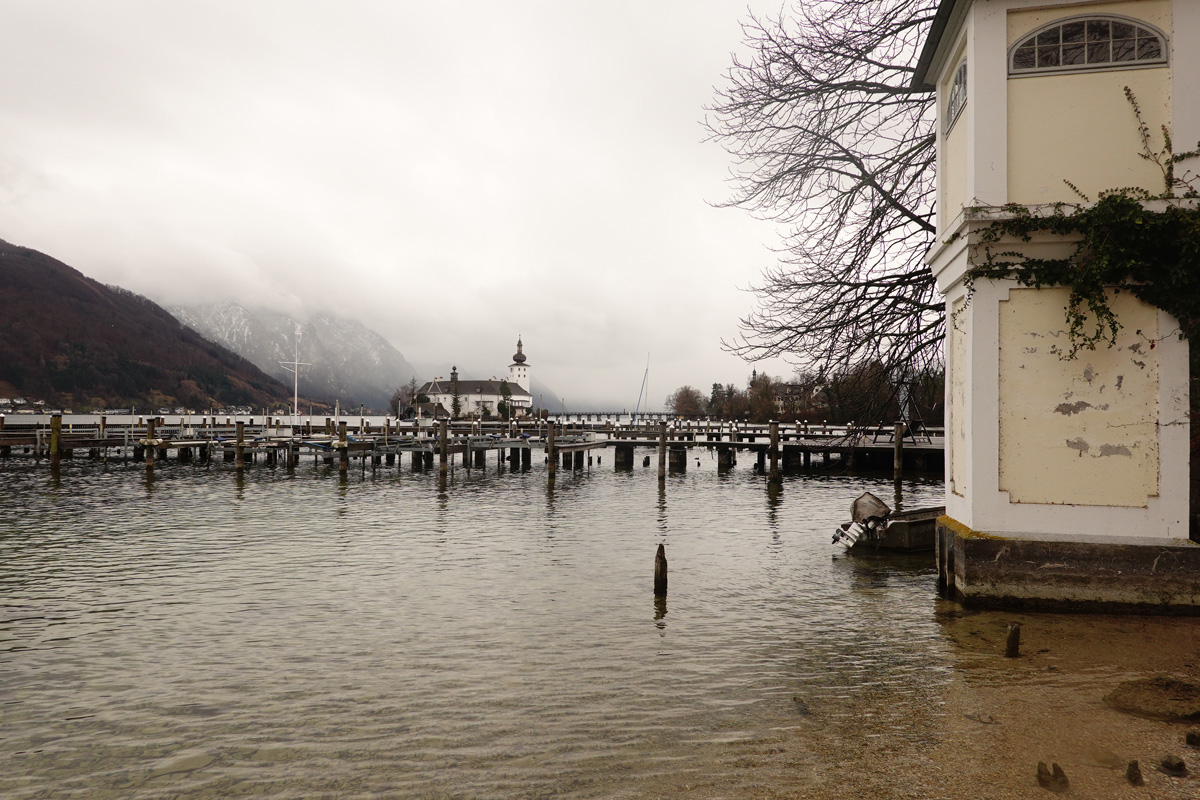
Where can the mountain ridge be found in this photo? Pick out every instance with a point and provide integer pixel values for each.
(67, 339)
(345, 360)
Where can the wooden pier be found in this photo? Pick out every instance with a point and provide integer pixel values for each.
(564, 443)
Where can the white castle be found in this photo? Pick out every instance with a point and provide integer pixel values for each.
(483, 397)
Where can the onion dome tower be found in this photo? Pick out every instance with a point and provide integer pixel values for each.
(518, 371)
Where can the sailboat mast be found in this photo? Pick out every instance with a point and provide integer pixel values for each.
(294, 367)
(642, 390)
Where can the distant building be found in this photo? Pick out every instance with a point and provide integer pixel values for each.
(483, 397)
(426, 411)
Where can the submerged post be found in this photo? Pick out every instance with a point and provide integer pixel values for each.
(550, 454)
(1012, 645)
(898, 450)
(660, 572)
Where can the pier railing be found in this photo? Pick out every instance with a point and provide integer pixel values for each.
(277, 439)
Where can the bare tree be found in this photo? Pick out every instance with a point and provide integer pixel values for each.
(686, 401)
(831, 142)
(404, 397)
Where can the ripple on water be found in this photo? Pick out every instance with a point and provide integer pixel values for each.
(202, 635)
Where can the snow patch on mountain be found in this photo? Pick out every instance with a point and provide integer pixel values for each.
(347, 360)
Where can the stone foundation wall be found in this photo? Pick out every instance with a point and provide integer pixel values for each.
(1067, 573)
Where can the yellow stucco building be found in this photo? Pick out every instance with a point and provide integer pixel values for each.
(1089, 451)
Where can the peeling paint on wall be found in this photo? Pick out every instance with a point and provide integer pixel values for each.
(1072, 408)
(1060, 441)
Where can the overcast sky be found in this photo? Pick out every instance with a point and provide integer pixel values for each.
(450, 174)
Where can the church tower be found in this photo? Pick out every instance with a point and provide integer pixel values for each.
(518, 371)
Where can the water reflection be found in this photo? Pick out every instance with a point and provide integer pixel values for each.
(662, 508)
(774, 500)
(660, 611)
(386, 641)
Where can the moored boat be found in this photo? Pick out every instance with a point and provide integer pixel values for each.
(874, 526)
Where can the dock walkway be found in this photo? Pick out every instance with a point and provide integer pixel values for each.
(274, 441)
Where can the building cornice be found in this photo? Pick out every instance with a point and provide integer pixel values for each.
(948, 18)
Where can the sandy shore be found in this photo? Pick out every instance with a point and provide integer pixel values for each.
(987, 723)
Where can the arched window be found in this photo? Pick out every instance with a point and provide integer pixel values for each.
(1087, 43)
(957, 100)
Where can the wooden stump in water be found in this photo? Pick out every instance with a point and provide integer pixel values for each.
(1012, 645)
(660, 572)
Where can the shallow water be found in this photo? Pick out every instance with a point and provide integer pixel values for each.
(285, 635)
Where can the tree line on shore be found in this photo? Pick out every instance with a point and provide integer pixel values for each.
(867, 393)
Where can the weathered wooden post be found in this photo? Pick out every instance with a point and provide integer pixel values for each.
(898, 450)
(662, 451)
(5, 450)
(551, 455)
(239, 458)
(343, 449)
(774, 449)
(149, 447)
(55, 441)
(724, 458)
(443, 437)
(660, 572)
(1012, 645)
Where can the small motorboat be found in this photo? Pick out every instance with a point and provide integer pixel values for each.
(873, 525)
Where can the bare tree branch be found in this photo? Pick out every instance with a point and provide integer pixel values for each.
(830, 141)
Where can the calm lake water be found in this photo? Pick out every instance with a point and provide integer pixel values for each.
(296, 635)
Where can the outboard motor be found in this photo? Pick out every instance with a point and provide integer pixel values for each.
(868, 516)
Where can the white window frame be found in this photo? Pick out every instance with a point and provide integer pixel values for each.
(1161, 61)
(956, 95)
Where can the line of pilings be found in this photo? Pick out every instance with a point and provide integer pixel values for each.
(672, 443)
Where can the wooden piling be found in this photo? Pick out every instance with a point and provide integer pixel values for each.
(343, 449)
(149, 449)
(660, 572)
(774, 450)
(55, 441)
(239, 459)
(898, 450)
(551, 455)
(1012, 645)
(662, 451)
(443, 442)
(724, 458)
